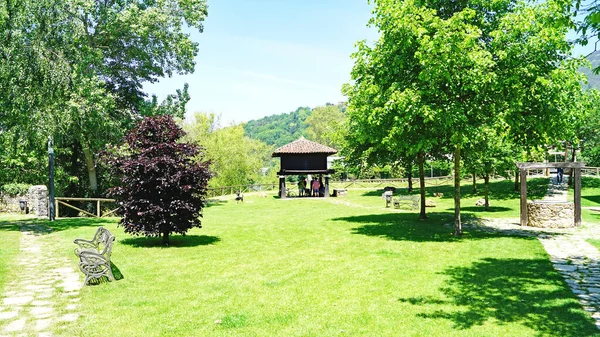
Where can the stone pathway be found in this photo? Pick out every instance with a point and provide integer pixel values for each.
(44, 292)
(556, 191)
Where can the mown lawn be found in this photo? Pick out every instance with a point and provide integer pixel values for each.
(326, 267)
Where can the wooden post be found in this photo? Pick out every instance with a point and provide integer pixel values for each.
(56, 207)
(523, 174)
(282, 187)
(98, 213)
(326, 193)
(577, 194)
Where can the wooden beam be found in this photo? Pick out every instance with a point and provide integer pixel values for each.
(523, 176)
(551, 165)
(84, 199)
(577, 195)
(78, 209)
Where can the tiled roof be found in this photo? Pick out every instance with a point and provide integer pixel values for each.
(303, 146)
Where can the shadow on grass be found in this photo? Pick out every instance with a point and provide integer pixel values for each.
(481, 209)
(215, 202)
(104, 279)
(590, 182)
(528, 292)
(177, 241)
(44, 226)
(407, 227)
(498, 190)
(593, 198)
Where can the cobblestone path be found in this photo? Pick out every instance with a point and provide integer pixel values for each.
(43, 292)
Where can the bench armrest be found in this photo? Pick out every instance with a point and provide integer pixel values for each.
(85, 243)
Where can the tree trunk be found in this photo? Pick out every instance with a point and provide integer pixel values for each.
(457, 223)
(517, 185)
(421, 162)
(165, 238)
(410, 183)
(486, 182)
(474, 183)
(91, 168)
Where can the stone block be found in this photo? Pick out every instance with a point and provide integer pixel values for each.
(38, 200)
(550, 214)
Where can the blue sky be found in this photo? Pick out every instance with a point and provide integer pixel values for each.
(264, 57)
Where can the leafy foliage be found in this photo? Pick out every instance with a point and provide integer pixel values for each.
(446, 74)
(278, 130)
(74, 69)
(15, 189)
(162, 182)
(235, 158)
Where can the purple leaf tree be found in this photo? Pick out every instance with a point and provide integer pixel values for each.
(162, 182)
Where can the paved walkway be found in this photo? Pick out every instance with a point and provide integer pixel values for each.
(44, 291)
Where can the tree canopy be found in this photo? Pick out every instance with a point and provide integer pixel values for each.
(443, 72)
(162, 182)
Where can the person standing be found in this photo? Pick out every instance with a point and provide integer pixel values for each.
(559, 175)
(315, 188)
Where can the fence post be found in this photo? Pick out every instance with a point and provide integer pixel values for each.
(56, 207)
(98, 212)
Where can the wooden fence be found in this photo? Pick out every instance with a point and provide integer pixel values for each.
(98, 201)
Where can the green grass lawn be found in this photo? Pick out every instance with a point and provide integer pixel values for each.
(9, 246)
(326, 267)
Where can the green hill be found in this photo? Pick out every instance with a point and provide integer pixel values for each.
(278, 130)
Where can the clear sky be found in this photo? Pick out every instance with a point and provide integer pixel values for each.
(264, 57)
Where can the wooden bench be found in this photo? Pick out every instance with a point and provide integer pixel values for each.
(94, 255)
(400, 201)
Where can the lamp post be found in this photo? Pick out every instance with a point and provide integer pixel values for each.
(51, 210)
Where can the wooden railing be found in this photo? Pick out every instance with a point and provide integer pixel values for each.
(64, 201)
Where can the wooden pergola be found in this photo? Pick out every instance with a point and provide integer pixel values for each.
(303, 156)
(576, 175)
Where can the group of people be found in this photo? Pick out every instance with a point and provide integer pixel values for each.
(315, 189)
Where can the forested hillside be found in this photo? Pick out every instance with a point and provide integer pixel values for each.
(278, 130)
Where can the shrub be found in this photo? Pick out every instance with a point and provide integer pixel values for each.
(162, 182)
(15, 189)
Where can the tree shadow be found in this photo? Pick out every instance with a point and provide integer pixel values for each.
(590, 182)
(44, 226)
(214, 202)
(593, 198)
(178, 241)
(481, 209)
(104, 279)
(522, 291)
(498, 190)
(407, 227)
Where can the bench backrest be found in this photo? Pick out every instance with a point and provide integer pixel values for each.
(105, 241)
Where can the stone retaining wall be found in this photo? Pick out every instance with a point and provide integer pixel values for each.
(550, 214)
(11, 203)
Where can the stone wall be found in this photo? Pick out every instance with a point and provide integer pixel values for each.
(550, 214)
(10, 204)
(38, 200)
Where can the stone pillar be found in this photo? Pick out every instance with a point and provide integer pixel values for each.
(38, 200)
(577, 194)
(523, 176)
(282, 187)
(326, 193)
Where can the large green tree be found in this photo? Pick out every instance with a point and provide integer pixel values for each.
(464, 67)
(235, 158)
(80, 66)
